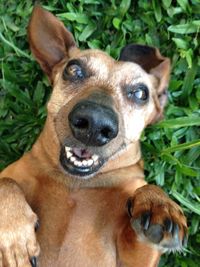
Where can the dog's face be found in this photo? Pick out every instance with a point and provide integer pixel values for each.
(99, 106)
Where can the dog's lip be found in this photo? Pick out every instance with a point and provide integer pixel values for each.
(79, 161)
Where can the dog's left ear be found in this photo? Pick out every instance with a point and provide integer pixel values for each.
(150, 59)
(49, 40)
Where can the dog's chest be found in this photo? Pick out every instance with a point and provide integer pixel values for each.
(82, 230)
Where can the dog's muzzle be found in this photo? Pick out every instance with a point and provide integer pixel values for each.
(93, 124)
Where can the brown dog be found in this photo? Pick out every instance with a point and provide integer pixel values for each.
(84, 176)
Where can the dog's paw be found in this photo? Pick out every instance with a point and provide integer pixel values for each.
(18, 223)
(156, 219)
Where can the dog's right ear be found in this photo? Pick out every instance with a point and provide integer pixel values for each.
(49, 40)
(151, 60)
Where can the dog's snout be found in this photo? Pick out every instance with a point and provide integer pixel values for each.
(93, 124)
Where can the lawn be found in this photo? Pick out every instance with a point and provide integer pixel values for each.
(171, 147)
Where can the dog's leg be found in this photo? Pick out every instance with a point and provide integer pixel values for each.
(133, 252)
(18, 245)
(157, 225)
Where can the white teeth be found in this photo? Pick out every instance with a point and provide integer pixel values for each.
(67, 149)
(77, 162)
(90, 162)
(85, 163)
(72, 159)
(69, 154)
(95, 157)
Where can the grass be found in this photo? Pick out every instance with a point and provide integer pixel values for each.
(172, 147)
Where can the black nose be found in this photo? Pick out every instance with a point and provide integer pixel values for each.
(93, 124)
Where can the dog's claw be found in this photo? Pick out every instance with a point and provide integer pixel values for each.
(37, 225)
(168, 224)
(33, 261)
(145, 219)
(175, 230)
(185, 240)
(129, 207)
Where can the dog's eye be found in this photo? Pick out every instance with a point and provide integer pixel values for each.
(73, 71)
(138, 93)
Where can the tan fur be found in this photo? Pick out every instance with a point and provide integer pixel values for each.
(83, 221)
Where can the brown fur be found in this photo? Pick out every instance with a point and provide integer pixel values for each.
(84, 222)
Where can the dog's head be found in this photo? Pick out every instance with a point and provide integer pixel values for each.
(99, 106)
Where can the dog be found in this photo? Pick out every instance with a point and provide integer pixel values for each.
(83, 178)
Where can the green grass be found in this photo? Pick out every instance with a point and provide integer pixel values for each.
(172, 147)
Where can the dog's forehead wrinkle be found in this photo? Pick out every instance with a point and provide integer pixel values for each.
(94, 54)
(100, 67)
(128, 74)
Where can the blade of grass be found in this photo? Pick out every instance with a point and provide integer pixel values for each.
(18, 51)
(184, 146)
(179, 122)
(191, 206)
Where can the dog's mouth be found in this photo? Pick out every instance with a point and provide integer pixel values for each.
(79, 161)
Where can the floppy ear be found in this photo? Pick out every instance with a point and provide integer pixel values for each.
(49, 40)
(150, 59)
